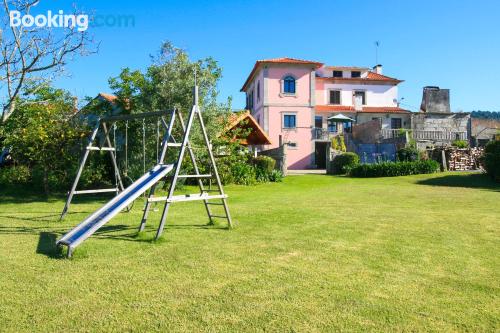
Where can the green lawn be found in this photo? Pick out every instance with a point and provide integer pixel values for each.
(315, 253)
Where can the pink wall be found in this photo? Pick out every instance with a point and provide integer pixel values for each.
(301, 74)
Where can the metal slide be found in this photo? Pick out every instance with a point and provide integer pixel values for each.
(90, 225)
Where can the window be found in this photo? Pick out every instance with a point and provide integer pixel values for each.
(347, 127)
(335, 97)
(359, 97)
(355, 74)
(377, 118)
(292, 145)
(395, 123)
(250, 100)
(289, 85)
(258, 91)
(332, 127)
(318, 122)
(338, 74)
(289, 121)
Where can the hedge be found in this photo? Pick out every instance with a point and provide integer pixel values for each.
(394, 169)
(491, 160)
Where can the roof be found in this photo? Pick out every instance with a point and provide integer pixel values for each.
(108, 97)
(278, 61)
(257, 136)
(347, 68)
(371, 77)
(367, 109)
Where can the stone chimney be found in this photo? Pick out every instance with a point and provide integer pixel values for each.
(377, 69)
(435, 100)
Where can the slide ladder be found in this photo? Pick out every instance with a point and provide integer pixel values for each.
(100, 217)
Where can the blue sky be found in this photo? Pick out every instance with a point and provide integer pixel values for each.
(453, 45)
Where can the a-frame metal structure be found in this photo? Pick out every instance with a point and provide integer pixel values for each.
(151, 179)
(204, 194)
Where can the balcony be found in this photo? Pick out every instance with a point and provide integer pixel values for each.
(423, 135)
(323, 134)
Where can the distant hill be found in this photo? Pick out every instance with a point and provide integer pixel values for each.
(486, 115)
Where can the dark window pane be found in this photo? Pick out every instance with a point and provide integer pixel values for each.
(395, 123)
(355, 74)
(289, 85)
(332, 127)
(338, 74)
(334, 96)
(318, 122)
(289, 121)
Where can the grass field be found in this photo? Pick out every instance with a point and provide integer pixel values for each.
(315, 253)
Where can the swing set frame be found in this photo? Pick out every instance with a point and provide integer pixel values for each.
(168, 142)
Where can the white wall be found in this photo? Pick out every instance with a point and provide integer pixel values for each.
(376, 95)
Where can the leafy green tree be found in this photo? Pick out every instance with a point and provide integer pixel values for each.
(43, 137)
(166, 84)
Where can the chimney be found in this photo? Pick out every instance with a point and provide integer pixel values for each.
(435, 100)
(377, 69)
(75, 104)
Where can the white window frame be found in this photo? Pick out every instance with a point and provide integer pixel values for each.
(283, 121)
(282, 85)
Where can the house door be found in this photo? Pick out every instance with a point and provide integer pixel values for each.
(320, 154)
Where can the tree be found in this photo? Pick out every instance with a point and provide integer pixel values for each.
(43, 138)
(32, 56)
(167, 83)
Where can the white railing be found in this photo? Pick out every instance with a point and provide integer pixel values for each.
(424, 135)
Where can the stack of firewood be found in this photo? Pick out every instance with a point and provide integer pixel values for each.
(463, 159)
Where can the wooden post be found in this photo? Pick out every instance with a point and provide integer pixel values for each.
(443, 160)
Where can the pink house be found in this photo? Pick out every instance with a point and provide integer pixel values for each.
(292, 100)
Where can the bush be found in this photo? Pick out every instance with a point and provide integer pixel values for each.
(15, 175)
(491, 159)
(276, 176)
(393, 169)
(243, 174)
(408, 154)
(338, 143)
(344, 162)
(264, 166)
(460, 144)
(264, 163)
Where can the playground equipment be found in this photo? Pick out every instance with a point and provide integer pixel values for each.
(125, 197)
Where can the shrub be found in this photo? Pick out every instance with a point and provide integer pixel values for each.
(393, 169)
(342, 163)
(408, 154)
(276, 176)
(460, 144)
(264, 163)
(243, 174)
(264, 166)
(15, 175)
(491, 159)
(338, 143)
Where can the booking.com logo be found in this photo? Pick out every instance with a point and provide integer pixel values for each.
(61, 20)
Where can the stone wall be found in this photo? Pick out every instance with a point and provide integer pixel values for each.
(279, 155)
(368, 132)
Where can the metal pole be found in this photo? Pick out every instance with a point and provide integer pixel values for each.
(177, 168)
(160, 161)
(113, 157)
(196, 170)
(212, 161)
(80, 169)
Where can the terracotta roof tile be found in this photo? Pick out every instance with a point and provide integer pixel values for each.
(367, 109)
(278, 61)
